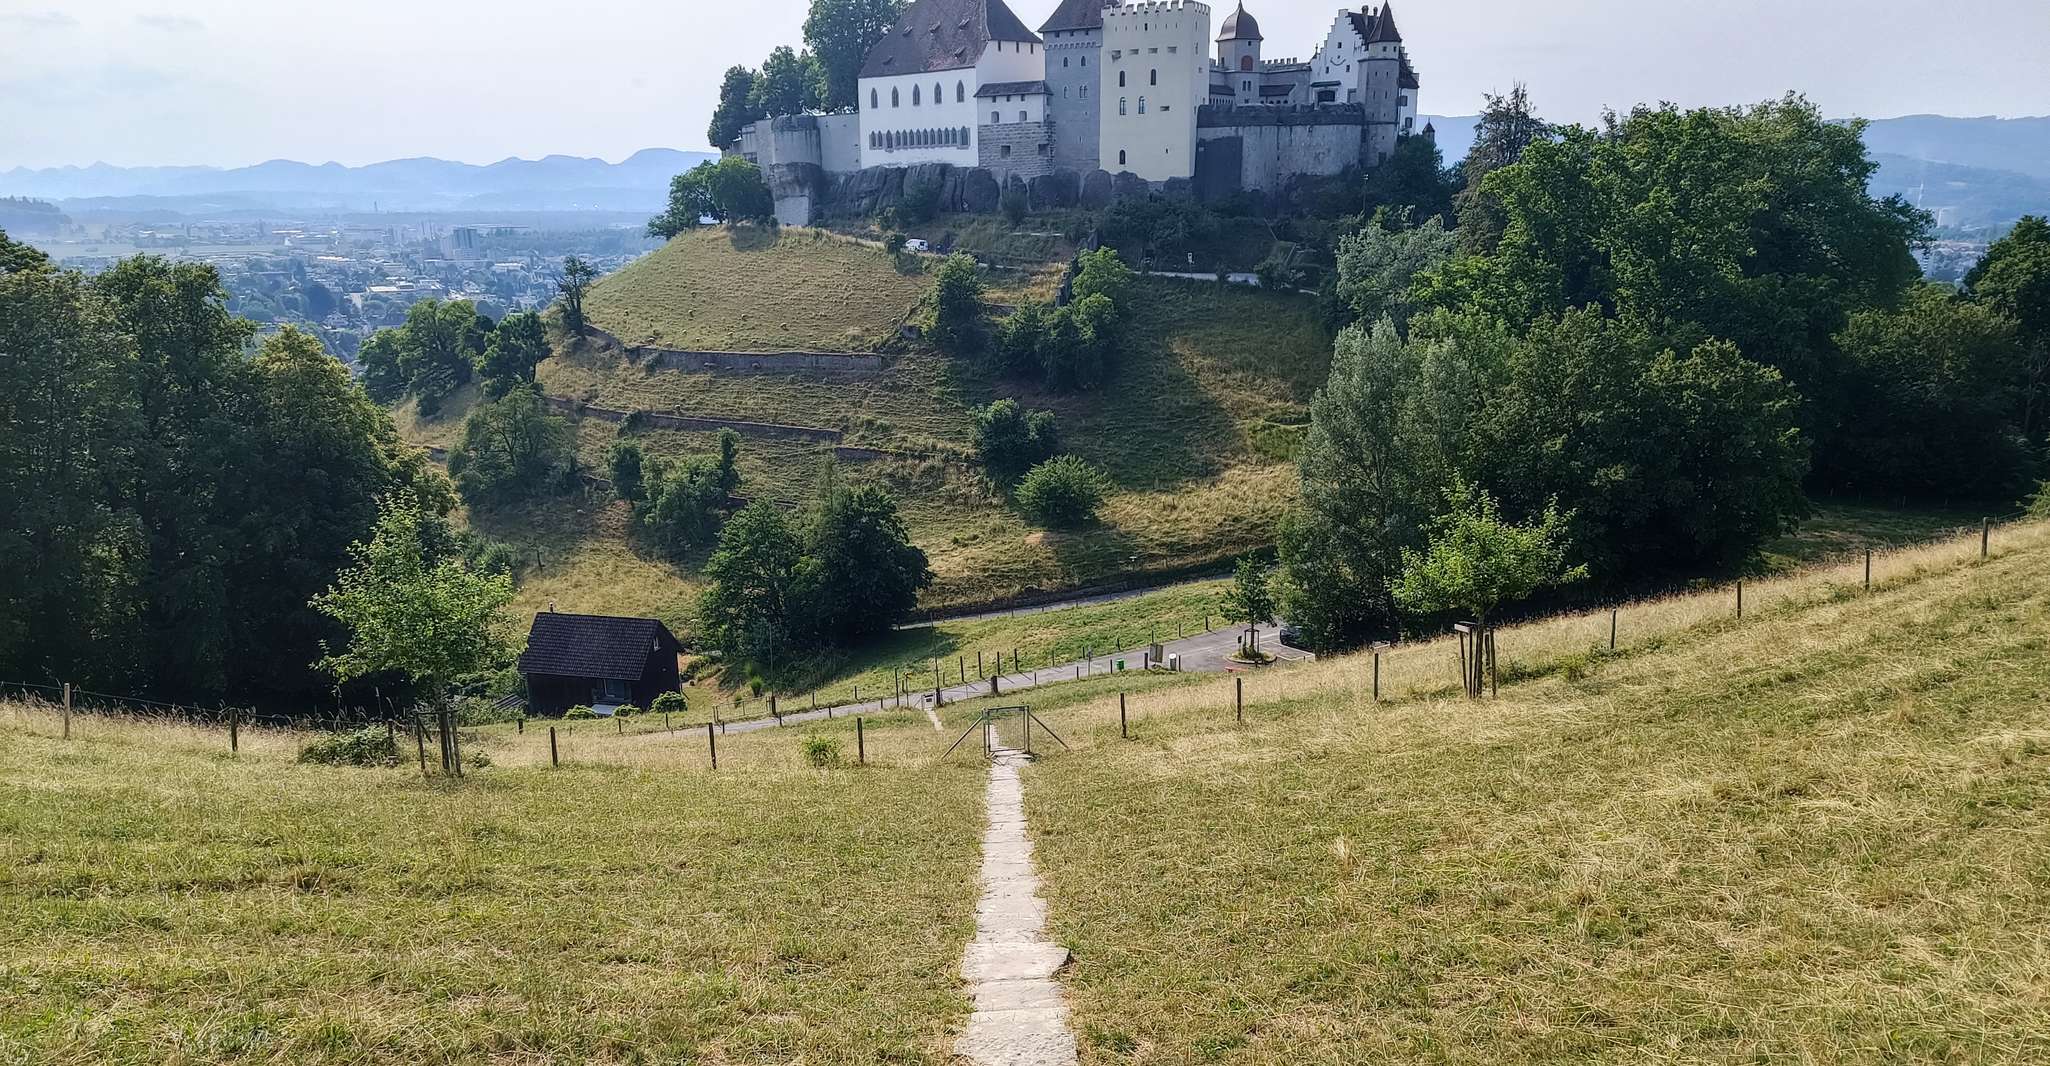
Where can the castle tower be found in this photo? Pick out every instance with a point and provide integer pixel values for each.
(1074, 69)
(1238, 52)
(1156, 76)
(1382, 67)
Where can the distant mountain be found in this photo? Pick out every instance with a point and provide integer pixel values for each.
(554, 183)
(1971, 173)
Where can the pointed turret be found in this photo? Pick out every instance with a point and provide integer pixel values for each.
(1384, 27)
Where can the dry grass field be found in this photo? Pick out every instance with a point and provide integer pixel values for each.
(1813, 835)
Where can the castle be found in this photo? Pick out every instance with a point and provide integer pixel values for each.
(1106, 94)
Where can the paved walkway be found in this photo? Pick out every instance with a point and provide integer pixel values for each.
(1203, 652)
(1020, 1016)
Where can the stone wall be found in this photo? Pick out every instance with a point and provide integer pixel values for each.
(1017, 149)
(1262, 148)
(657, 420)
(836, 363)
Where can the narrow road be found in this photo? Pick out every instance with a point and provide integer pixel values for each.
(1201, 653)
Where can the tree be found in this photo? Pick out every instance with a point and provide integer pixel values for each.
(514, 351)
(736, 107)
(18, 258)
(577, 276)
(739, 192)
(1063, 492)
(1939, 387)
(1103, 273)
(860, 574)
(953, 310)
(1379, 266)
(787, 84)
(2014, 279)
(438, 349)
(1010, 440)
(1076, 352)
(690, 203)
(1016, 341)
(1508, 126)
(685, 504)
(512, 449)
(383, 378)
(433, 623)
(1250, 600)
(745, 609)
(841, 33)
(1476, 561)
(623, 463)
(1412, 179)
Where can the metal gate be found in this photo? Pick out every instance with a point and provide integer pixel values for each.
(1006, 730)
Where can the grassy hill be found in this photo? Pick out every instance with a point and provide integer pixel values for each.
(755, 290)
(1815, 834)
(1196, 429)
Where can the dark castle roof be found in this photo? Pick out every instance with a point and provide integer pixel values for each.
(1376, 26)
(593, 645)
(943, 35)
(1077, 15)
(1013, 88)
(1239, 26)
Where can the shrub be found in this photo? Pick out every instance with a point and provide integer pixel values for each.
(893, 241)
(670, 703)
(953, 313)
(1010, 440)
(477, 760)
(1014, 205)
(822, 751)
(2039, 507)
(578, 713)
(369, 746)
(1062, 492)
(625, 710)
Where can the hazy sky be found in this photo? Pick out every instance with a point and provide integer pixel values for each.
(232, 82)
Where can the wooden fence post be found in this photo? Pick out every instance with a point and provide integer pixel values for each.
(67, 710)
(554, 758)
(712, 741)
(1868, 570)
(1740, 599)
(1239, 696)
(1122, 734)
(234, 730)
(961, 664)
(1985, 537)
(978, 662)
(1377, 677)
(860, 742)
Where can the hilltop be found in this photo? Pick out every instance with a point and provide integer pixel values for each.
(1197, 429)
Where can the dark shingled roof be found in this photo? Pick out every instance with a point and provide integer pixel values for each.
(1013, 88)
(1276, 90)
(1373, 26)
(1408, 75)
(943, 35)
(593, 645)
(1239, 26)
(1077, 15)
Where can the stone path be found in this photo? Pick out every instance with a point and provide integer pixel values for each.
(1021, 1017)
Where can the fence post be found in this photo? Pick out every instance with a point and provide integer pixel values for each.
(1239, 696)
(1377, 677)
(993, 685)
(1740, 599)
(978, 662)
(1612, 628)
(1985, 537)
(860, 742)
(554, 759)
(234, 730)
(712, 742)
(961, 664)
(455, 741)
(1868, 570)
(773, 711)
(1014, 660)
(618, 723)
(67, 710)
(1122, 734)
(520, 723)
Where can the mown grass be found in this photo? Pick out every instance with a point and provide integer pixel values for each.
(167, 904)
(749, 289)
(1812, 835)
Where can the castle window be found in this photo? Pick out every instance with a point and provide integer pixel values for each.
(1121, 79)
(1121, 105)
(1402, 100)
(1004, 151)
(960, 91)
(914, 96)
(1085, 61)
(964, 135)
(1064, 62)
(1024, 116)
(1245, 62)
(1142, 105)
(873, 102)
(1121, 157)
(938, 94)
(1171, 50)
(893, 96)
(1153, 77)
(995, 117)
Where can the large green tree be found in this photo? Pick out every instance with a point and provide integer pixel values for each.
(861, 574)
(512, 449)
(747, 606)
(1413, 180)
(514, 352)
(2014, 279)
(841, 33)
(786, 84)
(736, 107)
(1379, 266)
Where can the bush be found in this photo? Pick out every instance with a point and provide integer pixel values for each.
(670, 703)
(477, 760)
(369, 746)
(578, 713)
(625, 710)
(1062, 492)
(822, 751)
(1014, 205)
(1009, 440)
(953, 312)
(894, 240)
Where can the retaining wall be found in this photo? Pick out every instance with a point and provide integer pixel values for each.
(658, 420)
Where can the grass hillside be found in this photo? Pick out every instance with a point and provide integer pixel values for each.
(1816, 834)
(754, 290)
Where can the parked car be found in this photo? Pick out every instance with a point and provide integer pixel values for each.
(916, 244)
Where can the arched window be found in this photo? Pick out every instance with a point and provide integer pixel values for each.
(1064, 62)
(914, 96)
(1121, 105)
(1085, 61)
(938, 94)
(964, 135)
(873, 101)
(1153, 77)
(1121, 157)
(1142, 105)
(1121, 79)
(960, 91)
(1245, 62)
(893, 96)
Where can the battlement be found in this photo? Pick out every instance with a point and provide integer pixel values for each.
(1132, 11)
(1215, 116)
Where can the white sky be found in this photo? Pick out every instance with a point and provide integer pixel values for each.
(232, 82)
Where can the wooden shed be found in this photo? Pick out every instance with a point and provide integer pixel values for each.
(597, 660)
